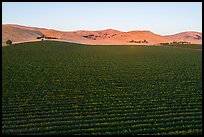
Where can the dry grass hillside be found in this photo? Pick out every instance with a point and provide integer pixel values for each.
(190, 36)
(18, 33)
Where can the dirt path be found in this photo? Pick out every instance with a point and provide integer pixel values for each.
(61, 40)
(4, 44)
(35, 40)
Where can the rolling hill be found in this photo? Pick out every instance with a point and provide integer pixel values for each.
(18, 33)
(191, 36)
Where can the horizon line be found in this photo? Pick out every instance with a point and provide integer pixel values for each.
(99, 29)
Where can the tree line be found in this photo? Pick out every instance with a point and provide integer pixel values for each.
(45, 37)
(175, 42)
(138, 41)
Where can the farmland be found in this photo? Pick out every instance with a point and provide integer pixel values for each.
(64, 88)
(187, 46)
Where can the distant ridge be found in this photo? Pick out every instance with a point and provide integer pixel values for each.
(18, 33)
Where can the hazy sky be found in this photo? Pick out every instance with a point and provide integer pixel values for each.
(159, 17)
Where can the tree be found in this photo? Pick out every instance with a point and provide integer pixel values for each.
(9, 42)
(145, 41)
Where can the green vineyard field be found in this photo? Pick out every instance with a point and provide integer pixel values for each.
(64, 88)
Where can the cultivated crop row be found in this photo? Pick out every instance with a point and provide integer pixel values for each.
(62, 88)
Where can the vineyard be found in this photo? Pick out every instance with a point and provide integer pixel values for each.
(64, 88)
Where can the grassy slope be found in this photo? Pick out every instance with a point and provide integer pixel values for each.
(77, 89)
